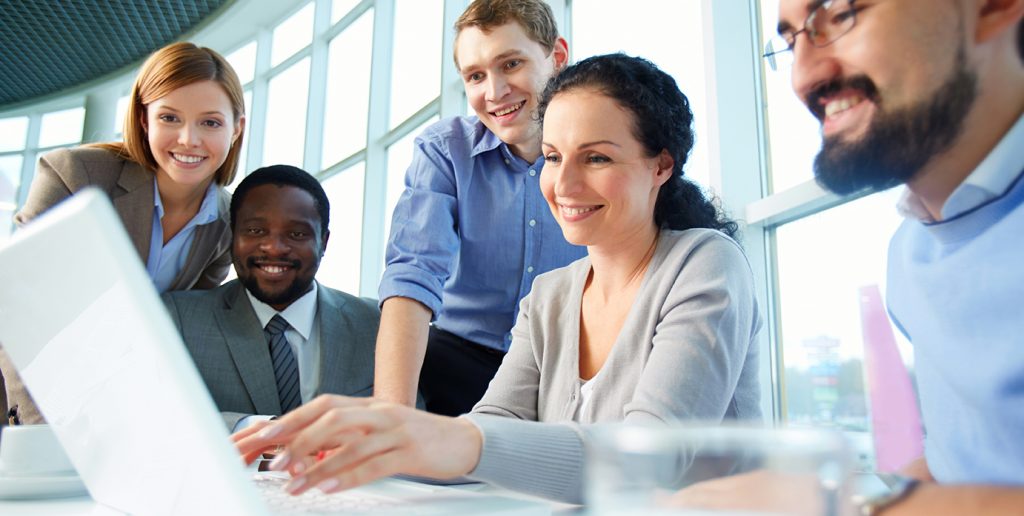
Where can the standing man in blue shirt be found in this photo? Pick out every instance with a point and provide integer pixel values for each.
(472, 230)
(931, 94)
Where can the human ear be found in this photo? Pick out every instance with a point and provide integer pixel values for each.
(323, 245)
(239, 128)
(665, 165)
(560, 53)
(995, 17)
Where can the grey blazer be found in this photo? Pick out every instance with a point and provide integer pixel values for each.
(226, 340)
(62, 173)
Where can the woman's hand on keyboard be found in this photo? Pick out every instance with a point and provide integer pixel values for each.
(359, 440)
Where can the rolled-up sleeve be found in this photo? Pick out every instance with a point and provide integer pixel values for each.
(424, 230)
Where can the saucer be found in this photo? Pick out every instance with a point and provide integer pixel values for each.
(36, 487)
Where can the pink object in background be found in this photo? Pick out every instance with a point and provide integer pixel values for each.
(895, 418)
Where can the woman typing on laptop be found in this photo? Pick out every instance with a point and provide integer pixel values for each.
(182, 139)
(657, 324)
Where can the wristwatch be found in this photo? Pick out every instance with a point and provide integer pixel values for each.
(901, 489)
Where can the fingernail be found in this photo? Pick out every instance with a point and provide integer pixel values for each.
(328, 486)
(298, 468)
(269, 432)
(295, 484)
(280, 462)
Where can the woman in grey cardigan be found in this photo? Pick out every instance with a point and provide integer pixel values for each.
(657, 324)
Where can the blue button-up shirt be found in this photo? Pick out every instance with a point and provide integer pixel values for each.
(471, 231)
(166, 261)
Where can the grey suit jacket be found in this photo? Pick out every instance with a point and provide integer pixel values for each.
(62, 173)
(224, 336)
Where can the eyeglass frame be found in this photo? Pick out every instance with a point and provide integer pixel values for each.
(812, 33)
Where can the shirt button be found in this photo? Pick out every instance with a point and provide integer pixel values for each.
(529, 269)
(533, 222)
(506, 161)
(533, 172)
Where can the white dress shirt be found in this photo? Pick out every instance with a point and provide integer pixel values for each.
(303, 336)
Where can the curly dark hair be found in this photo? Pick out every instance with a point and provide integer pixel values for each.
(662, 120)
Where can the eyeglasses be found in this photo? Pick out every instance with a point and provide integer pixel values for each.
(829, 21)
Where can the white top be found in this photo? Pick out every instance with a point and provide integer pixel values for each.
(990, 180)
(303, 335)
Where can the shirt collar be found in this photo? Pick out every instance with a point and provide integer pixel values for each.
(299, 315)
(486, 141)
(207, 210)
(992, 177)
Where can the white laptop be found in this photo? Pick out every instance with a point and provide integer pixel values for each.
(85, 327)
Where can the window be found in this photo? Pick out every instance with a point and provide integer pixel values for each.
(13, 132)
(10, 179)
(416, 59)
(399, 158)
(824, 263)
(119, 115)
(285, 131)
(292, 35)
(348, 91)
(243, 61)
(62, 127)
(673, 40)
(339, 8)
(340, 266)
(793, 133)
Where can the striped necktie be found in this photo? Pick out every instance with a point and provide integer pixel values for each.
(286, 370)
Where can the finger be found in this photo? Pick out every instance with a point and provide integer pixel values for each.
(249, 430)
(269, 451)
(345, 458)
(374, 468)
(286, 426)
(339, 427)
(381, 458)
(251, 446)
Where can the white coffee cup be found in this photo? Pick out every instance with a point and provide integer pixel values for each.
(32, 451)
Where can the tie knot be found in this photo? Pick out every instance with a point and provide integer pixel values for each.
(277, 325)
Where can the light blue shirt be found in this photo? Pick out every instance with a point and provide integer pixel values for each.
(166, 261)
(471, 231)
(990, 180)
(955, 290)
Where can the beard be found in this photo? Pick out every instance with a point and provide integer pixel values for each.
(292, 292)
(897, 144)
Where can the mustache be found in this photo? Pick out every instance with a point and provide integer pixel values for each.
(255, 261)
(858, 82)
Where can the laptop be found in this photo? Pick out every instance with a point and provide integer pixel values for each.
(86, 329)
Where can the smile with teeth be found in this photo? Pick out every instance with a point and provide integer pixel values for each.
(273, 269)
(834, 107)
(510, 109)
(186, 158)
(575, 211)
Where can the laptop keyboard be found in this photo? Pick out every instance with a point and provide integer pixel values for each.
(314, 501)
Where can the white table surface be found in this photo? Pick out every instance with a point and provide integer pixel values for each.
(85, 506)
